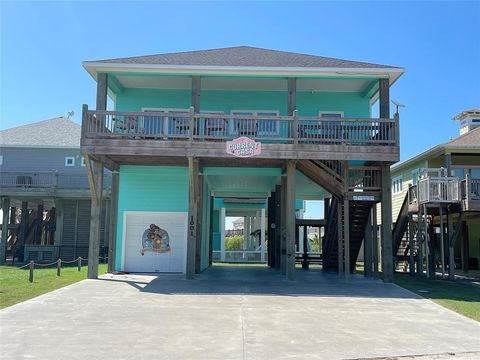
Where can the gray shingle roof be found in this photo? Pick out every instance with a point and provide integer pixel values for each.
(243, 56)
(56, 132)
(470, 138)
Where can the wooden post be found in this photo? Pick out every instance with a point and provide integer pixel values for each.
(198, 247)
(96, 177)
(340, 228)
(411, 245)
(31, 267)
(427, 247)
(262, 234)
(221, 225)
(367, 247)
(59, 217)
(112, 245)
(465, 254)
(387, 247)
(283, 239)
(39, 225)
(420, 241)
(191, 127)
(59, 266)
(196, 86)
(384, 98)
(451, 246)
(79, 264)
(102, 89)
(278, 227)
(346, 235)
(24, 226)
(193, 200)
(442, 242)
(375, 241)
(295, 126)
(292, 95)
(290, 219)
(3, 244)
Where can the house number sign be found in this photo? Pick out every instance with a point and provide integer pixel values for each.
(243, 147)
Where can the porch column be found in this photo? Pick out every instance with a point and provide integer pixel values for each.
(340, 228)
(292, 95)
(290, 220)
(193, 203)
(346, 234)
(245, 234)
(221, 224)
(3, 244)
(262, 234)
(367, 247)
(112, 245)
(196, 85)
(375, 241)
(451, 242)
(283, 207)
(95, 178)
(384, 98)
(199, 192)
(465, 247)
(278, 227)
(102, 89)
(387, 248)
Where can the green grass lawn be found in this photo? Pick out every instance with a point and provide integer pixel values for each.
(461, 297)
(15, 287)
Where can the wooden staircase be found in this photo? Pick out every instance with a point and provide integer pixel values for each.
(358, 212)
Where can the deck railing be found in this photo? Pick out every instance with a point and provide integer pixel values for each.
(470, 189)
(43, 180)
(191, 126)
(438, 190)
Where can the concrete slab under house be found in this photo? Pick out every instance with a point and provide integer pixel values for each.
(199, 136)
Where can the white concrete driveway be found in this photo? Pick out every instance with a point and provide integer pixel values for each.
(231, 313)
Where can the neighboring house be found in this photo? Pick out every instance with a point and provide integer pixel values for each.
(456, 188)
(44, 192)
(196, 136)
(238, 224)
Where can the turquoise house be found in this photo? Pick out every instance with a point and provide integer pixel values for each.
(196, 136)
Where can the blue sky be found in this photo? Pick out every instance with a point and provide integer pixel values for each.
(44, 43)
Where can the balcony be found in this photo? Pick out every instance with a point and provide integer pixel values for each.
(46, 183)
(170, 133)
(470, 193)
(438, 190)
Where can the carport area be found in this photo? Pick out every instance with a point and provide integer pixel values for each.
(231, 312)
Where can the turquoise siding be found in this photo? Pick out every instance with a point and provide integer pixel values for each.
(308, 104)
(150, 188)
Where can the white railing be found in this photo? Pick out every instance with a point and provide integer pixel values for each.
(438, 190)
(470, 189)
(240, 256)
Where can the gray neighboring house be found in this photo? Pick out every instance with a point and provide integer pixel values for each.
(44, 191)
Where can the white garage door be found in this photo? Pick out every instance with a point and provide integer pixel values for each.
(160, 236)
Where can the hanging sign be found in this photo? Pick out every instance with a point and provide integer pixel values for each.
(243, 147)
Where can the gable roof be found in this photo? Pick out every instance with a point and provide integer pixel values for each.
(243, 56)
(465, 143)
(58, 132)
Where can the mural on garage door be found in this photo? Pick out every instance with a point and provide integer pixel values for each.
(155, 239)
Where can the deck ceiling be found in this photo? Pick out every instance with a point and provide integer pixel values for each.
(236, 83)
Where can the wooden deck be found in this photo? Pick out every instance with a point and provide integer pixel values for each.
(174, 134)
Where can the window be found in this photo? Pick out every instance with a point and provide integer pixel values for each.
(415, 175)
(82, 162)
(176, 123)
(69, 161)
(330, 130)
(251, 127)
(397, 185)
(458, 172)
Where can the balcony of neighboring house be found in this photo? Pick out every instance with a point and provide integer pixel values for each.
(47, 183)
(434, 186)
(208, 134)
(470, 193)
